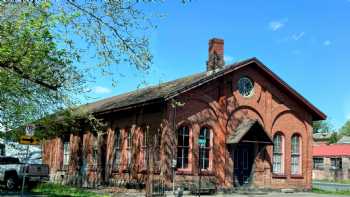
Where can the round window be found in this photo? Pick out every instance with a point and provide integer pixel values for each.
(245, 86)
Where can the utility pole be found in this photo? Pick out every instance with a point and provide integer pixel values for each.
(29, 132)
(174, 105)
(201, 143)
(25, 170)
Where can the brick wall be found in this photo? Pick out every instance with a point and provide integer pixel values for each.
(217, 105)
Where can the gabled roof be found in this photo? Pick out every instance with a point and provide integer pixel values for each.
(332, 150)
(243, 129)
(169, 90)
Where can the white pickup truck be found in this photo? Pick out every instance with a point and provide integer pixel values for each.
(12, 172)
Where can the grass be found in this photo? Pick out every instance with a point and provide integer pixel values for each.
(320, 191)
(64, 191)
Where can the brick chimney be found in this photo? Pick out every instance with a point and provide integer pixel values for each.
(216, 54)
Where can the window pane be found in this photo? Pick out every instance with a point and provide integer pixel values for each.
(186, 141)
(129, 138)
(185, 163)
(318, 163)
(185, 150)
(180, 140)
(117, 138)
(277, 154)
(205, 151)
(144, 136)
(179, 162)
(182, 147)
(185, 131)
(66, 153)
(295, 163)
(295, 144)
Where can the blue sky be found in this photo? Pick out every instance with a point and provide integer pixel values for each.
(306, 43)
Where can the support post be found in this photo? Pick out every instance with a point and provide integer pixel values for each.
(25, 170)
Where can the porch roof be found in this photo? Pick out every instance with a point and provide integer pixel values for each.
(245, 127)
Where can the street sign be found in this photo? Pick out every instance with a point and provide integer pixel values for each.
(30, 128)
(29, 140)
(201, 141)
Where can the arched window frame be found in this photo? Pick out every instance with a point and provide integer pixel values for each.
(117, 148)
(296, 155)
(180, 159)
(66, 153)
(278, 166)
(129, 143)
(208, 149)
(144, 146)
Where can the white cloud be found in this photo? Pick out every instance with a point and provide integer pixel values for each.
(228, 59)
(297, 37)
(327, 43)
(276, 25)
(102, 90)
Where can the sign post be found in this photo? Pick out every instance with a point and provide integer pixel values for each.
(201, 143)
(27, 139)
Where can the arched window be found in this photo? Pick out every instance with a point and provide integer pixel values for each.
(183, 147)
(278, 154)
(144, 145)
(66, 153)
(295, 153)
(128, 132)
(117, 148)
(204, 154)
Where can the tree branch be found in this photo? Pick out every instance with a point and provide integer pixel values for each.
(115, 31)
(11, 66)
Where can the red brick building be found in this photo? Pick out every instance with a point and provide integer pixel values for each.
(257, 131)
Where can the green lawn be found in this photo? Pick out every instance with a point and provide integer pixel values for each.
(62, 190)
(320, 191)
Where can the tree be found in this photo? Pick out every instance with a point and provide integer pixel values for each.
(36, 76)
(334, 138)
(345, 129)
(43, 41)
(322, 126)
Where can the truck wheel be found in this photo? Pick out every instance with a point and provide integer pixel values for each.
(11, 183)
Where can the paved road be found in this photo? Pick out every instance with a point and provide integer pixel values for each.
(273, 194)
(331, 186)
(26, 194)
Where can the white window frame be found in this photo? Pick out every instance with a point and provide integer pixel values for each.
(318, 165)
(117, 148)
(208, 147)
(129, 144)
(296, 155)
(66, 153)
(144, 146)
(336, 163)
(278, 154)
(181, 155)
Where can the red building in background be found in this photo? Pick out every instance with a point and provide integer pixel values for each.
(332, 162)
